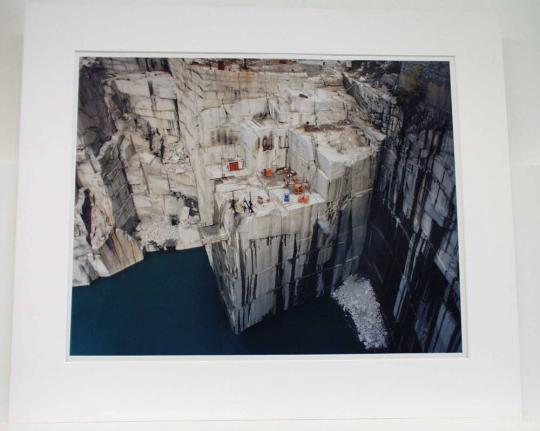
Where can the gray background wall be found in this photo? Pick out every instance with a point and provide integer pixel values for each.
(520, 29)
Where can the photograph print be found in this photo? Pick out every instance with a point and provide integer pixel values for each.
(245, 206)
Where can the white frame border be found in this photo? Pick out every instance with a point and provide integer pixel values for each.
(46, 387)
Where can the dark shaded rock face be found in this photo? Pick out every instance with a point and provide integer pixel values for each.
(95, 124)
(115, 179)
(411, 248)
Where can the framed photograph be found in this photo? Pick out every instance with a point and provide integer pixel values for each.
(224, 214)
(244, 206)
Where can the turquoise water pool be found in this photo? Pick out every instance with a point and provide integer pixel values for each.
(169, 304)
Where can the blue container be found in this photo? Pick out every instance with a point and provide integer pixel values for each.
(286, 197)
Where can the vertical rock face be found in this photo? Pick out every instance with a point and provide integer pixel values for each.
(278, 121)
(135, 190)
(411, 249)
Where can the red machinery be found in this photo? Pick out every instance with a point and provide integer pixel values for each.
(234, 166)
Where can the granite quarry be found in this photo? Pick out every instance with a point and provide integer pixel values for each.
(296, 176)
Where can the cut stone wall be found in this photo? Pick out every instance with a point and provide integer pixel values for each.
(411, 251)
(135, 189)
(281, 254)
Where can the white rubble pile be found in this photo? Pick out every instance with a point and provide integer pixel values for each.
(158, 232)
(357, 298)
(181, 236)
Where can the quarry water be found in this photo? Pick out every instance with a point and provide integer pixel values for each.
(169, 304)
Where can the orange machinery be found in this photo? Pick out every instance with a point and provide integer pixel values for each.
(303, 199)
